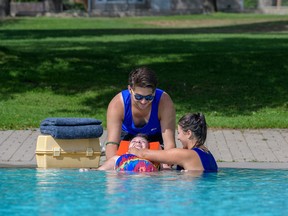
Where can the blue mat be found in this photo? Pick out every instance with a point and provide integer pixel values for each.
(72, 128)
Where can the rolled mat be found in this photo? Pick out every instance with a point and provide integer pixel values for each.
(73, 132)
(130, 162)
(70, 121)
(72, 128)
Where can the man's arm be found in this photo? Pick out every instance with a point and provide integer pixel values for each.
(109, 164)
(167, 116)
(114, 125)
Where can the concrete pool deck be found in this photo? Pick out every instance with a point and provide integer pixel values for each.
(259, 148)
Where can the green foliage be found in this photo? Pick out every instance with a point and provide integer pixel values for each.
(250, 4)
(284, 3)
(27, 0)
(233, 68)
(67, 5)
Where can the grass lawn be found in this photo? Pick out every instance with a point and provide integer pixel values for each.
(231, 67)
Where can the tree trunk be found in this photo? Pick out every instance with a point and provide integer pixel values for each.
(210, 6)
(278, 4)
(4, 8)
(54, 6)
(84, 2)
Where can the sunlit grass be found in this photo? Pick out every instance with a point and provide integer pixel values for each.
(231, 67)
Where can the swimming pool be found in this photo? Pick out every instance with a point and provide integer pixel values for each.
(70, 192)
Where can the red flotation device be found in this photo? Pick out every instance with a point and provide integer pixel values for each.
(124, 145)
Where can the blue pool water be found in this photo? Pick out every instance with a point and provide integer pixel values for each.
(70, 192)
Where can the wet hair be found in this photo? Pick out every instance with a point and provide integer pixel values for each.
(143, 77)
(196, 123)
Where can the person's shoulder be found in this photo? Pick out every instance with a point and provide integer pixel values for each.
(163, 93)
(116, 101)
(117, 97)
(166, 99)
(166, 107)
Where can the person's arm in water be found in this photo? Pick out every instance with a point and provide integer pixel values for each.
(186, 158)
(109, 164)
(170, 157)
(114, 125)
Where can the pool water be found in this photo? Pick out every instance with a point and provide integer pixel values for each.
(70, 192)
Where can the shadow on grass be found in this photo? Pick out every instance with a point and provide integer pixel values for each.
(232, 76)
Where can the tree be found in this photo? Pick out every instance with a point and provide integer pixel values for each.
(278, 3)
(53, 5)
(84, 2)
(210, 6)
(4, 8)
(214, 3)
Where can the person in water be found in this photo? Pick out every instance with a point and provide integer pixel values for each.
(138, 142)
(192, 133)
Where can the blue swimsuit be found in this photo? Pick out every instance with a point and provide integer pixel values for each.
(207, 159)
(152, 129)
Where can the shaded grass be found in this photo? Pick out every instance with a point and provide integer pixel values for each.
(236, 75)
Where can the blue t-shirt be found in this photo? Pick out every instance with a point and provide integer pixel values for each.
(153, 126)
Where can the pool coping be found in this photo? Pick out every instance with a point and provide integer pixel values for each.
(247, 148)
(253, 165)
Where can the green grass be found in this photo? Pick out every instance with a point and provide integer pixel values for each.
(231, 67)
